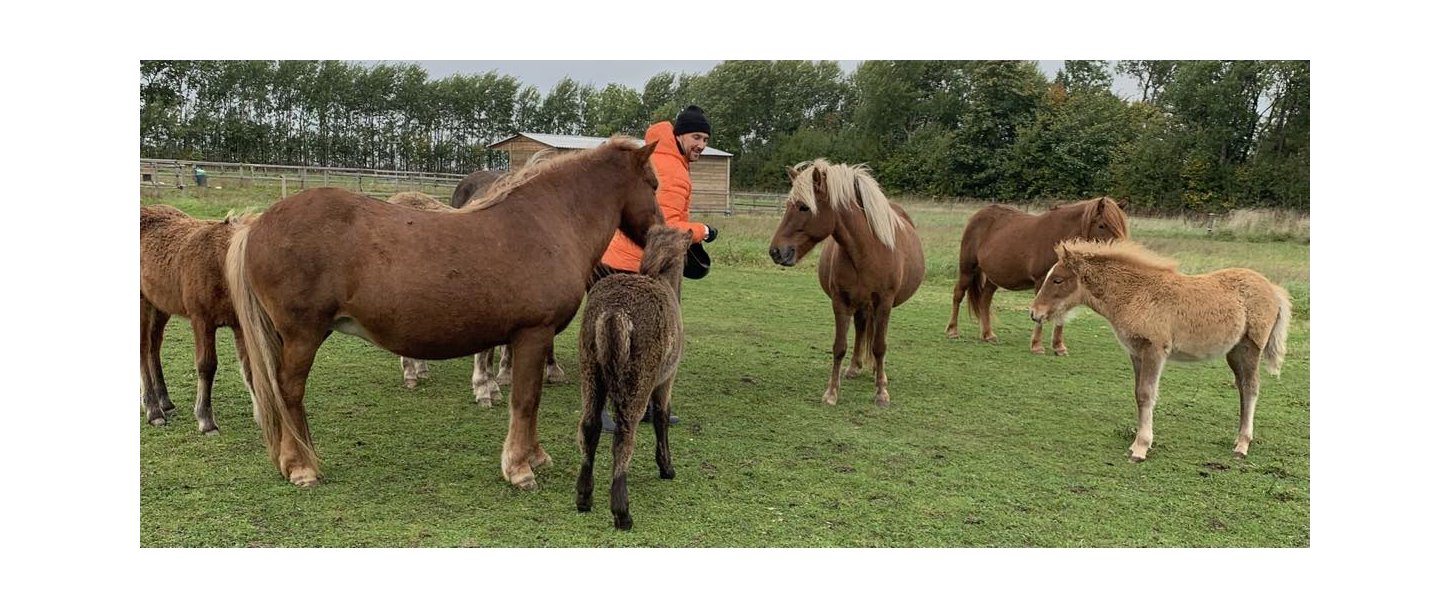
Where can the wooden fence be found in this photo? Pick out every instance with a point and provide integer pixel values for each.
(157, 174)
(282, 180)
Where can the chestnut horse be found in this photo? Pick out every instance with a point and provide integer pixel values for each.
(1159, 314)
(509, 269)
(182, 273)
(872, 263)
(1003, 247)
(485, 384)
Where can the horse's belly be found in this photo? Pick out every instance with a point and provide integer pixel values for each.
(420, 345)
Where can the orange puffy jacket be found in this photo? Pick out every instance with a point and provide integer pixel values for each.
(673, 196)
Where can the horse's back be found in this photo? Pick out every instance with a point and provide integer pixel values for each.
(183, 263)
(1013, 248)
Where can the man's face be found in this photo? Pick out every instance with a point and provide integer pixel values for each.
(693, 144)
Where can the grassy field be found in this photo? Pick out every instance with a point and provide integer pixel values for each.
(985, 446)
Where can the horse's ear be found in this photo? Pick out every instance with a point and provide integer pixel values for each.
(1121, 204)
(642, 155)
(790, 170)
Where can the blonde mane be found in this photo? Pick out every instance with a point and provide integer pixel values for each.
(1126, 252)
(843, 184)
(541, 163)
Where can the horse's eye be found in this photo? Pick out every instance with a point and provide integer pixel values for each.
(803, 208)
(1056, 280)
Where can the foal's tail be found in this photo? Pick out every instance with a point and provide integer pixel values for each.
(1279, 336)
(264, 348)
(611, 351)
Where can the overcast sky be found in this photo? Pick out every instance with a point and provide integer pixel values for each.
(543, 74)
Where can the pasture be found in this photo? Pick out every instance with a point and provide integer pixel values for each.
(984, 446)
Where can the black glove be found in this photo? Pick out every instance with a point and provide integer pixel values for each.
(710, 233)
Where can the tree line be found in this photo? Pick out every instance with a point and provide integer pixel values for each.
(1194, 135)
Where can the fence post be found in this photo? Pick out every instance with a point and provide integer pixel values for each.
(284, 185)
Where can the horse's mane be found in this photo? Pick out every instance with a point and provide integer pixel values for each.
(541, 163)
(1113, 215)
(848, 185)
(1131, 253)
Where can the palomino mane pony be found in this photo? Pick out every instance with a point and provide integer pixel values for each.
(848, 185)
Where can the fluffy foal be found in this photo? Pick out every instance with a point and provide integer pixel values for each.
(630, 342)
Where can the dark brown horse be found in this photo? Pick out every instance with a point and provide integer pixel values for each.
(474, 184)
(509, 269)
(183, 263)
(630, 341)
(1005, 248)
(872, 263)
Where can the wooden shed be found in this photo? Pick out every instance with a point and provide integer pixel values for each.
(709, 176)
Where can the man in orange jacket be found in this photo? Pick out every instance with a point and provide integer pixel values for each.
(690, 133)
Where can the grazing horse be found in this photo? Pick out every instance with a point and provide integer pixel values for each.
(630, 341)
(1007, 248)
(472, 186)
(509, 269)
(872, 263)
(1160, 314)
(183, 262)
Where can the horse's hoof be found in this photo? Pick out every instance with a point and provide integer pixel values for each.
(1061, 352)
(160, 421)
(990, 339)
(953, 333)
(852, 372)
(303, 478)
(210, 431)
(526, 483)
(667, 473)
(883, 403)
(1038, 350)
(556, 377)
(168, 406)
(1244, 453)
(410, 384)
(829, 398)
(623, 522)
(540, 459)
(1136, 458)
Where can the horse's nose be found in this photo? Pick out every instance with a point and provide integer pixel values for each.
(778, 256)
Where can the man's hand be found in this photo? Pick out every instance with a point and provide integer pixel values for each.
(710, 233)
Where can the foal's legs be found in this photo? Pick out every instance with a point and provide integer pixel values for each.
(592, 401)
(1057, 346)
(205, 356)
(661, 398)
(880, 318)
(626, 422)
(838, 351)
(154, 399)
(1244, 361)
(521, 450)
(1148, 362)
(485, 388)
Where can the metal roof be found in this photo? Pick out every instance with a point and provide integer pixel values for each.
(582, 142)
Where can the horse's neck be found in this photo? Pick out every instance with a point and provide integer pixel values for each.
(857, 240)
(1112, 286)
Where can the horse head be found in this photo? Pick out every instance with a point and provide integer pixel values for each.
(1104, 220)
(1061, 289)
(640, 209)
(809, 217)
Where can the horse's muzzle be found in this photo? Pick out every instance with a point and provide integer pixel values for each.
(784, 257)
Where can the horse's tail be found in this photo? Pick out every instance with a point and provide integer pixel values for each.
(264, 348)
(1279, 335)
(611, 351)
(969, 275)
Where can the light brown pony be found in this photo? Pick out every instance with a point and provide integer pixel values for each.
(1007, 248)
(510, 269)
(183, 262)
(1160, 314)
(630, 341)
(872, 263)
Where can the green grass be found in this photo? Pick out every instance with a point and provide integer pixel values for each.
(985, 446)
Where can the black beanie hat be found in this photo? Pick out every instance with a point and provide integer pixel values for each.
(691, 120)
